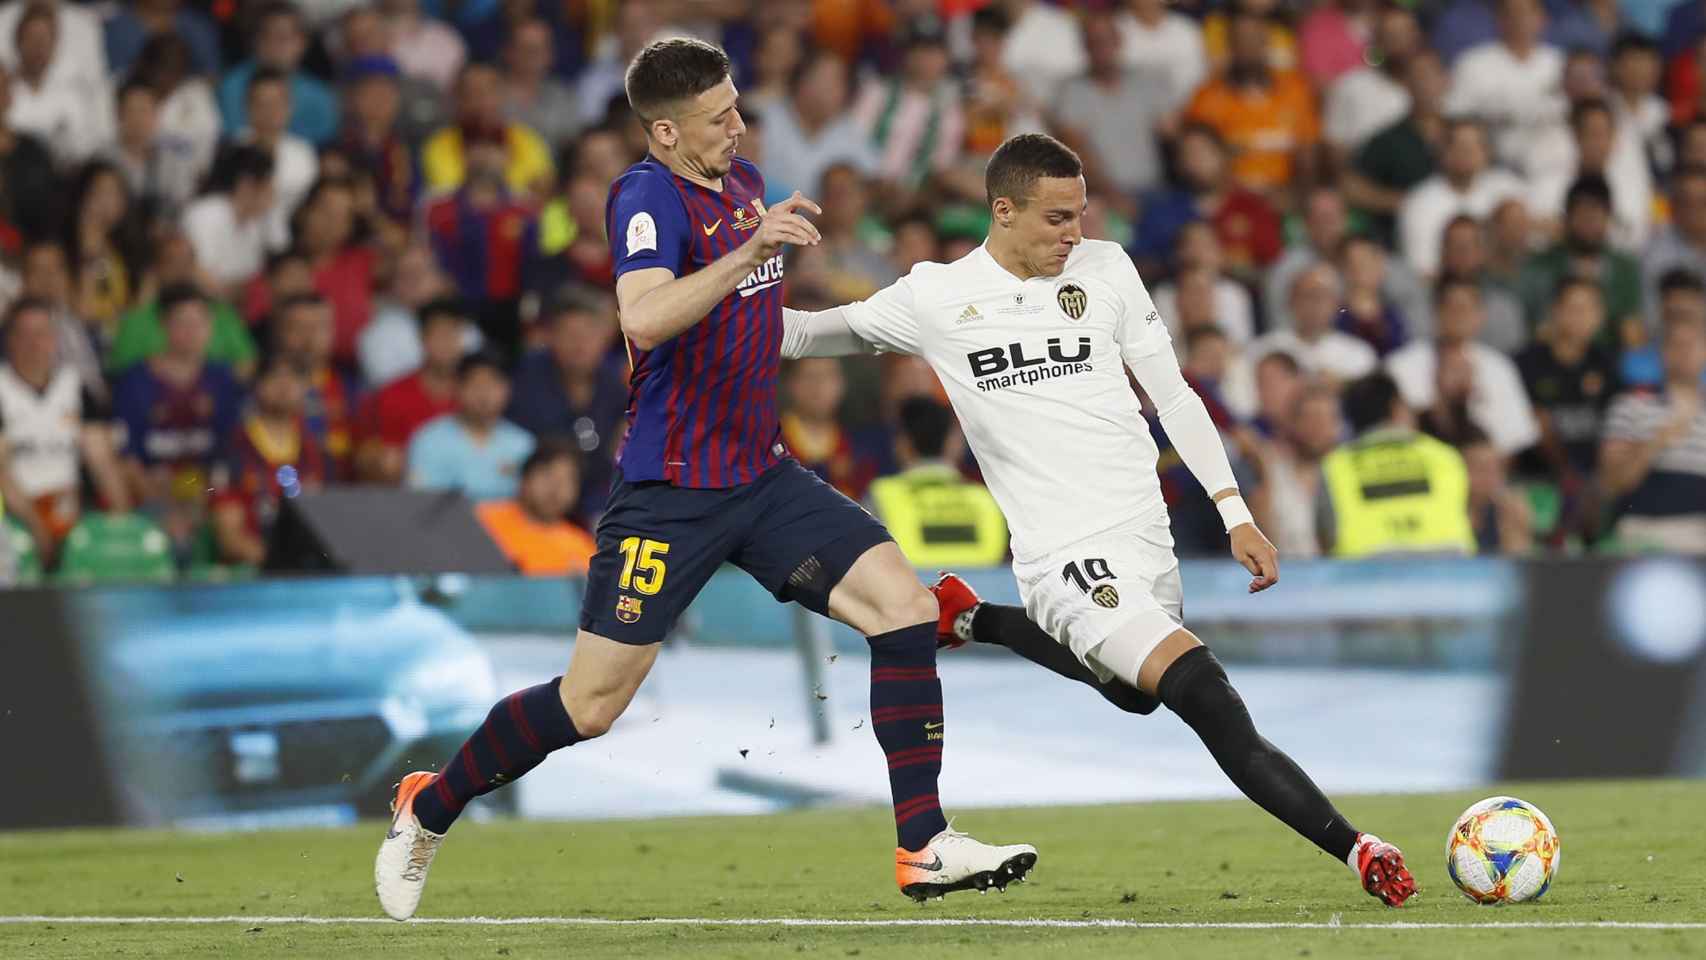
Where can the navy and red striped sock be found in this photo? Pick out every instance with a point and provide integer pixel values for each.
(906, 714)
(518, 733)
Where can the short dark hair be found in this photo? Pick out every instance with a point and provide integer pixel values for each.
(1368, 401)
(1680, 279)
(1458, 221)
(1198, 334)
(441, 308)
(1016, 166)
(1284, 358)
(668, 71)
(1588, 186)
(480, 360)
(925, 424)
(266, 75)
(1629, 41)
(549, 452)
(1581, 108)
(176, 295)
(280, 8)
(245, 162)
(297, 302)
(1571, 282)
(1455, 281)
(1355, 239)
(572, 298)
(134, 86)
(19, 307)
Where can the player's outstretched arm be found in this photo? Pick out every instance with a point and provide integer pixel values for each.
(1195, 436)
(820, 333)
(655, 305)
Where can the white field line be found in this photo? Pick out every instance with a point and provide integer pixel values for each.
(1036, 923)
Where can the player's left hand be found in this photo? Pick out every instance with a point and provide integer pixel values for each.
(1258, 556)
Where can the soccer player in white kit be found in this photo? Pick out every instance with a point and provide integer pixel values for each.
(1032, 335)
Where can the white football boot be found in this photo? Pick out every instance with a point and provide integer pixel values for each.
(400, 870)
(954, 861)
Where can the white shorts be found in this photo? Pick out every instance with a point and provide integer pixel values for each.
(1110, 598)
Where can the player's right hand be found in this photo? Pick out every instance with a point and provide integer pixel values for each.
(782, 224)
(1257, 554)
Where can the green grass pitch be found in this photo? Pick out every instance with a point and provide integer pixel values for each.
(1633, 853)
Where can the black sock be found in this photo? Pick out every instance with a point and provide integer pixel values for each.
(1012, 628)
(518, 733)
(1195, 687)
(906, 716)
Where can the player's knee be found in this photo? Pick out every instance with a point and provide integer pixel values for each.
(594, 718)
(906, 608)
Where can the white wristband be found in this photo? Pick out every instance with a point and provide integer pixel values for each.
(1233, 511)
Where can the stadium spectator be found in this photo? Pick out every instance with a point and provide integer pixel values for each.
(68, 110)
(103, 238)
(1512, 84)
(1465, 184)
(362, 42)
(1266, 115)
(998, 104)
(571, 391)
(47, 278)
(533, 529)
(51, 429)
(1402, 155)
(812, 395)
(1279, 381)
(1369, 97)
(229, 227)
(280, 40)
(776, 57)
(295, 166)
(637, 24)
(325, 229)
(390, 346)
(1592, 145)
(1333, 39)
(1412, 498)
(393, 414)
(1326, 224)
(473, 450)
(141, 334)
(937, 517)
(1244, 222)
(136, 151)
(371, 138)
(425, 48)
(1570, 379)
(1284, 502)
(1463, 254)
(1585, 251)
(1165, 44)
(1462, 380)
(1653, 458)
(272, 456)
(533, 97)
(302, 331)
(913, 120)
(1217, 32)
(1110, 114)
(178, 410)
(1366, 312)
(80, 57)
(1636, 72)
(188, 122)
(1679, 244)
(484, 240)
(1198, 262)
(128, 29)
(29, 208)
(1311, 339)
(856, 268)
(1499, 514)
(480, 125)
(1213, 367)
(812, 129)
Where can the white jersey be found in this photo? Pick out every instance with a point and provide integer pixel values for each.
(41, 430)
(1036, 372)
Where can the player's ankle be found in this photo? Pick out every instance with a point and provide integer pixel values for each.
(963, 623)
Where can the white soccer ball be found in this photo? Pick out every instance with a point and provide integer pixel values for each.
(1502, 850)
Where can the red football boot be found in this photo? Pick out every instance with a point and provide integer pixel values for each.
(1380, 867)
(954, 596)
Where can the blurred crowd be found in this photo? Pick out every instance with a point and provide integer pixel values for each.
(251, 249)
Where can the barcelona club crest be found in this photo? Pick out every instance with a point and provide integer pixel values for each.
(1073, 300)
(628, 609)
(1104, 595)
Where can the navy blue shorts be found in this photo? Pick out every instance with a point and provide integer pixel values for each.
(658, 545)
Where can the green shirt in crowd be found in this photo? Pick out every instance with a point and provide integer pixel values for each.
(141, 335)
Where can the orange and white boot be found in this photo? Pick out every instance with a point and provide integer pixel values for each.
(954, 861)
(400, 870)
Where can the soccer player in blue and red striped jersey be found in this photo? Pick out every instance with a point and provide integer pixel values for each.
(703, 479)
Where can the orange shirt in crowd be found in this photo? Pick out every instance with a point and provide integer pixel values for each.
(539, 549)
(1262, 127)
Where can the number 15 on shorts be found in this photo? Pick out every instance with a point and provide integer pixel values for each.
(643, 568)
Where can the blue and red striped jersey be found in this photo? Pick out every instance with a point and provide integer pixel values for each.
(701, 407)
